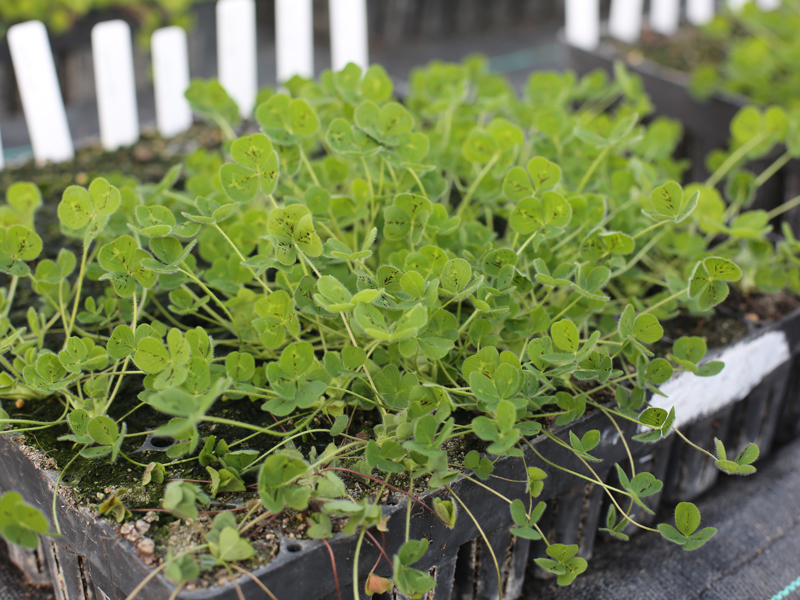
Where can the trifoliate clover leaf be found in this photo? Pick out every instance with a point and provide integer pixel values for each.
(707, 282)
(209, 98)
(276, 483)
(287, 122)
(551, 212)
(85, 213)
(687, 519)
(350, 141)
(565, 564)
(257, 168)
(292, 228)
(210, 212)
(671, 203)
(20, 522)
(742, 464)
(406, 216)
(541, 175)
(123, 258)
(384, 124)
(18, 244)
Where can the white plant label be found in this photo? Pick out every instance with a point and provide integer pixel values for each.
(768, 4)
(349, 33)
(625, 20)
(665, 16)
(294, 38)
(115, 83)
(582, 27)
(746, 365)
(40, 93)
(236, 52)
(699, 12)
(170, 80)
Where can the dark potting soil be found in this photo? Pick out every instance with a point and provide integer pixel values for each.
(147, 161)
(683, 51)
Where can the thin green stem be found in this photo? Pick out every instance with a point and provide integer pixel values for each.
(78, 288)
(733, 159)
(592, 169)
(786, 206)
(12, 288)
(465, 202)
(355, 562)
(776, 166)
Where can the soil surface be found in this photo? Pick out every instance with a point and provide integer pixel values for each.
(684, 51)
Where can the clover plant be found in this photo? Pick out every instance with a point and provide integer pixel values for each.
(745, 51)
(387, 282)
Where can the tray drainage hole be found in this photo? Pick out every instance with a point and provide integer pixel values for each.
(162, 442)
(295, 547)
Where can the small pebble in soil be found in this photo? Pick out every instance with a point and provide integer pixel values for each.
(19, 403)
(142, 526)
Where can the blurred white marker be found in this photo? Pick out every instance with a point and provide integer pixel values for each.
(665, 16)
(699, 12)
(40, 93)
(115, 83)
(625, 20)
(736, 4)
(170, 80)
(294, 38)
(582, 27)
(349, 33)
(236, 52)
(768, 4)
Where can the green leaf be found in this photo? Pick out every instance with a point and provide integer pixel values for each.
(285, 121)
(565, 335)
(480, 146)
(647, 329)
(456, 275)
(386, 123)
(257, 168)
(151, 355)
(103, 430)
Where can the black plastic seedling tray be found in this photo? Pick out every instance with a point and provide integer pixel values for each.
(754, 401)
(706, 123)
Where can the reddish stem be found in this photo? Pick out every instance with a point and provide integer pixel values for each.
(389, 485)
(380, 549)
(333, 565)
(265, 524)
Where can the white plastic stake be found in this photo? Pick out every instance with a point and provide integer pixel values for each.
(768, 4)
(625, 20)
(736, 4)
(699, 12)
(115, 83)
(582, 27)
(236, 52)
(665, 16)
(349, 33)
(170, 80)
(39, 91)
(294, 38)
